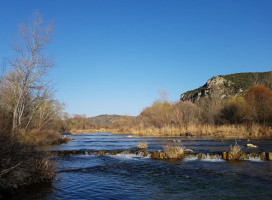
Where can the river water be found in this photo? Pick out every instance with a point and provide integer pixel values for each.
(130, 176)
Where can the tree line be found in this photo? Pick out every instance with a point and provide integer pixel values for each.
(251, 109)
(250, 114)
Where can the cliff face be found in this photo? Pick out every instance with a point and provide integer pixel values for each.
(228, 85)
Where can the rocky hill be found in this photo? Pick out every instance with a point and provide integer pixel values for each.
(103, 120)
(223, 86)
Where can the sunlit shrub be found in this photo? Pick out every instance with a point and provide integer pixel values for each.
(174, 152)
(235, 152)
(233, 111)
(142, 145)
(259, 99)
(42, 138)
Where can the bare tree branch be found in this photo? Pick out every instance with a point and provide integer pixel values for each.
(26, 87)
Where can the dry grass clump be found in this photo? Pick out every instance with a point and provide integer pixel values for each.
(174, 152)
(235, 152)
(21, 164)
(142, 145)
(235, 149)
(42, 138)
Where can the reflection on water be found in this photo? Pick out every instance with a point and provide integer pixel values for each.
(128, 176)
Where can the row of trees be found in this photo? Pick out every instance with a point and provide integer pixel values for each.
(77, 122)
(81, 122)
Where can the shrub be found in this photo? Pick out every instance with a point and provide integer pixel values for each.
(173, 152)
(259, 99)
(210, 109)
(42, 138)
(21, 164)
(235, 152)
(186, 112)
(158, 115)
(142, 145)
(233, 111)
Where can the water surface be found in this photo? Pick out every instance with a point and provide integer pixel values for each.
(128, 176)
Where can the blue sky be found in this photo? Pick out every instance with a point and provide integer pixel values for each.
(112, 56)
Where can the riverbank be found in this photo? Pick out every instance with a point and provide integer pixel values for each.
(22, 163)
(254, 131)
(43, 138)
(82, 131)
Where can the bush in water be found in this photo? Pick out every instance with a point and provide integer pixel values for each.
(173, 152)
(142, 145)
(235, 152)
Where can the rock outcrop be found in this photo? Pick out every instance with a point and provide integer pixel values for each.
(161, 155)
(228, 85)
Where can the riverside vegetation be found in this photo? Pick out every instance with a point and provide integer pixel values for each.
(29, 115)
(247, 115)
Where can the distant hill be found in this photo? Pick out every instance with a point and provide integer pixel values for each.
(223, 86)
(103, 120)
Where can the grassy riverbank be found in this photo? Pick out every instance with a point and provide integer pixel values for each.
(224, 131)
(21, 162)
(90, 130)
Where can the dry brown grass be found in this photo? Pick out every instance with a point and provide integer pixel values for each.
(82, 131)
(173, 152)
(235, 152)
(235, 149)
(199, 130)
(142, 145)
(21, 164)
(42, 138)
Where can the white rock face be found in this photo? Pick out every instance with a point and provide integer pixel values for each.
(225, 86)
(217, 87)
(216, 82)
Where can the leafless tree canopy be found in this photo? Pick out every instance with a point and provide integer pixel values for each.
(163, 94)
(25, 89)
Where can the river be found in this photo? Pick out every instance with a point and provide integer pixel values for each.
(131, 176)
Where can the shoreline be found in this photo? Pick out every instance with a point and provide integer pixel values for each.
(204, 131)
(25, 162)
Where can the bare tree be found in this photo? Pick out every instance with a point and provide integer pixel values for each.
(26, 86)
(210, 109)
(48, 111)
(163, 94)
(189, 113)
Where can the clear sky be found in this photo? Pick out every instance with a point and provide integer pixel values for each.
(112, 56)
